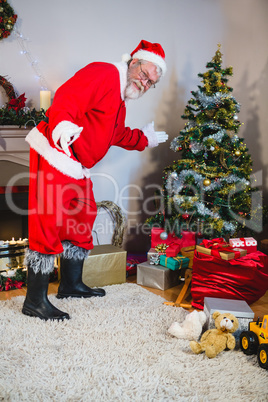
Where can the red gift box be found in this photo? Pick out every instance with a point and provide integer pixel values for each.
(243, 279)
(188, 239)
(247, 243)
(173, 249)
(156, 239)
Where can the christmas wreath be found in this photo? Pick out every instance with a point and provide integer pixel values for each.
(7, 19)
(15, 113)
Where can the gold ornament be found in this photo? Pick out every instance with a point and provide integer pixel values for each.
(237, 152)
(206, 182)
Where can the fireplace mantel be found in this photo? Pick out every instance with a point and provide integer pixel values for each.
(13, 146)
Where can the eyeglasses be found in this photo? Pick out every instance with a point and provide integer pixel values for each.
(144, 77)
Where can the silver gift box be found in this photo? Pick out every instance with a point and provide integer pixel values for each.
(239, 308)
(156, 276)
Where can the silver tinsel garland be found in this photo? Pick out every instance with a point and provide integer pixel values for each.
(215, 100)
(196, 146)
(175, 181)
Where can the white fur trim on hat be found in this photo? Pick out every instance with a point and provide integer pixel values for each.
(126, 57)
(152, 57)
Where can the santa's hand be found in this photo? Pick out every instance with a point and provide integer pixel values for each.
(65, 133)
(154, 137)
(162, 136)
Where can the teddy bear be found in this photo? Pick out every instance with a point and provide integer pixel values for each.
(190, 328)
(216, 340)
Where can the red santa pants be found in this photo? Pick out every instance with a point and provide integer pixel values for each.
(60, 208)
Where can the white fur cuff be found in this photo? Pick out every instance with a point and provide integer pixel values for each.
(148, 130)
(68, 128)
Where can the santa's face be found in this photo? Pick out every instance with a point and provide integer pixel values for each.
(140, 78)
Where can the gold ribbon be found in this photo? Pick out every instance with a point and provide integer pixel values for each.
(179, 259)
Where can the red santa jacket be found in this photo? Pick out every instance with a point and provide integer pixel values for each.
(93, 99)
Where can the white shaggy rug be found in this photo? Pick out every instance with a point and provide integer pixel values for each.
(116, 348)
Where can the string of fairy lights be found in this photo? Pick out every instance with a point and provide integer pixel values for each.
(25, 50)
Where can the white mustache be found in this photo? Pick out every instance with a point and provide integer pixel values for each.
(139, 85)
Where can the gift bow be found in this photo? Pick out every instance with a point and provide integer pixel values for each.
(217, 245)
(161, 248)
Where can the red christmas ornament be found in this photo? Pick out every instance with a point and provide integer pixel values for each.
(185, 216)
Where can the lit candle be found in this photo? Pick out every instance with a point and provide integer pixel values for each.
(45, 99)
(20, 242)
(12, 242)
(11, 272)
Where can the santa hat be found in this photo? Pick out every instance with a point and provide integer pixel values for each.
(148, 51)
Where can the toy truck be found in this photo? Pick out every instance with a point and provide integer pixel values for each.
(255, 341)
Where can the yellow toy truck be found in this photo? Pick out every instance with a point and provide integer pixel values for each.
(255, 341)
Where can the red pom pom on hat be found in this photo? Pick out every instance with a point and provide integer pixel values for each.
(152, 52)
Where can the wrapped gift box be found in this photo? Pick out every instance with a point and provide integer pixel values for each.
(159, 250)
(189, 253)
(156, 276)
(239, 308)
(188, 239)
(173, 249)
(247, 243)
(174, 263)
(106, 265)
(227, 254)
(151, 253)
(156, 239)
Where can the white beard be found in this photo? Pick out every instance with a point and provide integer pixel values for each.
(132, 92)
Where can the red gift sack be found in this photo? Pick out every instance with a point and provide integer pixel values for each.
(243, 279)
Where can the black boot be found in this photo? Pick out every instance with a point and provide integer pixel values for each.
(36, 303)
(71, 284)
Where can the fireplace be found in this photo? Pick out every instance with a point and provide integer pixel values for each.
(14, 180)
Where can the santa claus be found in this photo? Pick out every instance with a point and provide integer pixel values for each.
(86, 118)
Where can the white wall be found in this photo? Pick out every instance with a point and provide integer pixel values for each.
(65, 35)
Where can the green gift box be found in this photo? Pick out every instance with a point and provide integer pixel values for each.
(174, 263)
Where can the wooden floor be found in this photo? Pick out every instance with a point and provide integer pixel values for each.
(260, 307)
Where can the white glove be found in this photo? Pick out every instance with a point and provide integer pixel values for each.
(162, 136)
(66, 133)
(154, 137)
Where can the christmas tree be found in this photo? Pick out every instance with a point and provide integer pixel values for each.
(209, 189)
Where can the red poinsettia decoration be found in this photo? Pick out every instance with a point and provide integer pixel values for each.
(17, 103)
(18, 284)
(8, 284)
